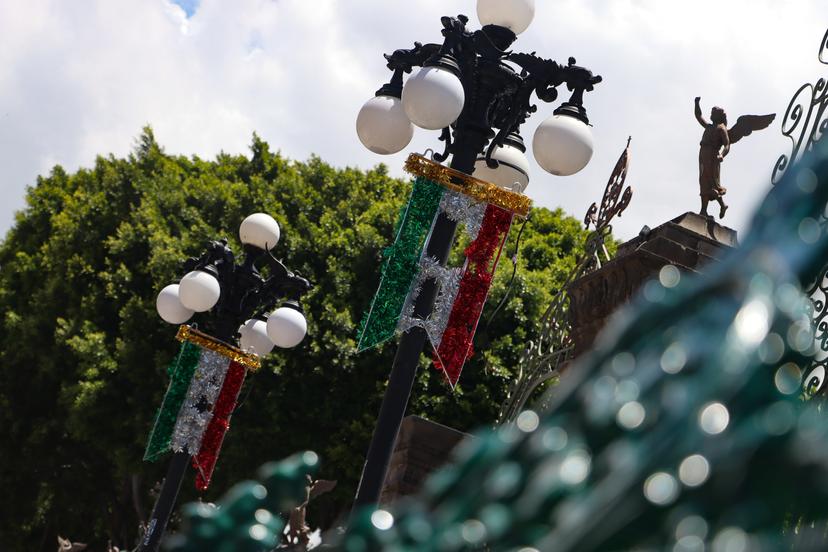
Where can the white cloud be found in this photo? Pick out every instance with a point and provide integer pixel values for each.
(81, 78)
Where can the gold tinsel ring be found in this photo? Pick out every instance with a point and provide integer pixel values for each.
(187, 333)
(481, 190)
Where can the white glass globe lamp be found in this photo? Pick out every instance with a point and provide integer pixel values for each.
(254, 338)
(286, 327)
(169, 306)
(260, 230)
(199, 291)
(382, 125)
(512, 172)
(515, 15)
(562, 145)
(433, 97)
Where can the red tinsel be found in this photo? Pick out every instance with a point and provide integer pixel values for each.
(205, 461)
(482, 255)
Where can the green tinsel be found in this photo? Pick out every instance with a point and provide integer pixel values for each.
(182, 370)
(401, 264)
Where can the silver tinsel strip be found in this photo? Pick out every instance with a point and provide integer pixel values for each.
(437, 321)
(429, 269)
(407, 320)
(464, 210)
(448, 282)
(197, 410)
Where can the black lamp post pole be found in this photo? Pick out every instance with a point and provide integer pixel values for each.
(243, 294)
(166, 501)
(496, 97)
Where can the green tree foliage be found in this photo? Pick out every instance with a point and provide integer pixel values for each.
(83, 354)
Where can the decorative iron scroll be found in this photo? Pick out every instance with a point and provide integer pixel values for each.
(805, 119)
(814, 382)
(615, 201)
(542, 359)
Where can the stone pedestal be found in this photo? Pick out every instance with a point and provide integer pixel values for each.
(422, 447)
(688, 242)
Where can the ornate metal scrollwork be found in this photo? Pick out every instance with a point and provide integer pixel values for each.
(403, 61)
(445, 136)
(542, 359)
(805, 123)
(805, 119)
(502, 96)
(615, 201)
(814, 381)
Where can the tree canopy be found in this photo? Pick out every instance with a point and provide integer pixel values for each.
(83, 354)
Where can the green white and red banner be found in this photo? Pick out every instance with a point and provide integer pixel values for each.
(485, 213)
(205, 380)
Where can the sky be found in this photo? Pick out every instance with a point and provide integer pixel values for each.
(80, 79)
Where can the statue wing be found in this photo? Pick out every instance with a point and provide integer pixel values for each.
(746, 124)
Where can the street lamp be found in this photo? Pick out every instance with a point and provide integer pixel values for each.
(511, 170)
(479, 93)
(240, 307)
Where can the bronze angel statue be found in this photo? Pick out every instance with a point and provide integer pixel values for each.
(715, 145)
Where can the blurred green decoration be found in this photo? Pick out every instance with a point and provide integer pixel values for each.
(683, 430)
(82, 351)
(243, 520)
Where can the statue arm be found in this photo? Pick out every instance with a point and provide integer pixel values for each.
(699, 117)
(725, 141)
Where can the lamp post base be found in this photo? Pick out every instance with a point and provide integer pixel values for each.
(392, 411)
(164, 505)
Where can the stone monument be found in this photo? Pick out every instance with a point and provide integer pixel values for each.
(688, 242)
(422, 447)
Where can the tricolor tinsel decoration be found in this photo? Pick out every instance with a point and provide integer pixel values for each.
(206, 378)
(485, 213)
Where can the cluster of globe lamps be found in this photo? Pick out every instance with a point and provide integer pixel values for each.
(433, 98)
(200, 291)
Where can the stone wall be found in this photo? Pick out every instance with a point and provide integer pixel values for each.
(688, 242)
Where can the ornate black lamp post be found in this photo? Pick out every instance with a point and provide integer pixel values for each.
(239, 304)
(479, 93)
